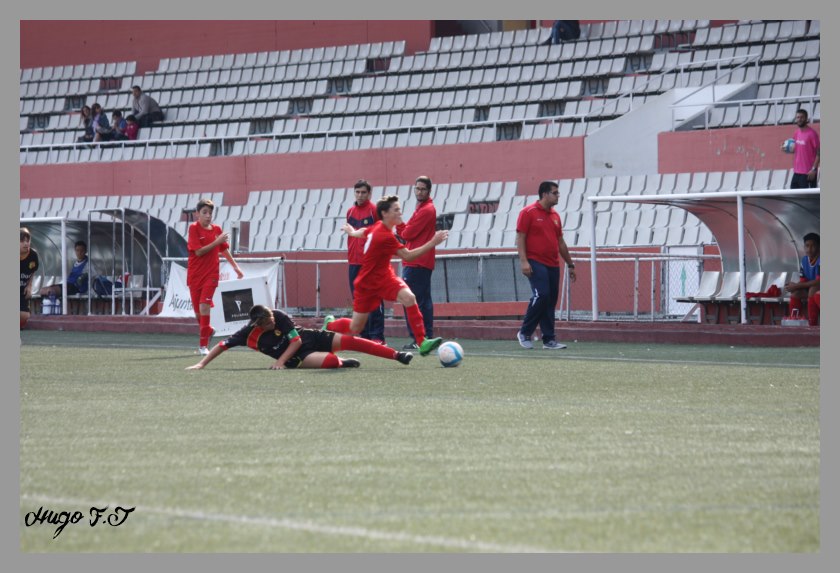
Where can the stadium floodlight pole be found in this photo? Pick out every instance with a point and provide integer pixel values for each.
(742, 258)
(593, 265)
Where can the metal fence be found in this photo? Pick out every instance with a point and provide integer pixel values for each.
(633, 285)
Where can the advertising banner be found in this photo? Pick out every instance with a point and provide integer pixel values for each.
(233, 298)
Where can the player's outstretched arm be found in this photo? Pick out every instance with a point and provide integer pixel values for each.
(218, 349)
(294, 346)
(226, 254)
(409, 256)
(351, 232)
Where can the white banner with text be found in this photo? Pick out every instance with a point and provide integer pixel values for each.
(233, 298)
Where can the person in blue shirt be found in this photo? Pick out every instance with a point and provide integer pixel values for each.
(77, 280)
(808, 288)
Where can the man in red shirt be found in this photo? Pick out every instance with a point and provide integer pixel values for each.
(377, 281)
(540, 244)
(205, 242)
(363, 214)
(417, 274)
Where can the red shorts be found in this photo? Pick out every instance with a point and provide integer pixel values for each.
(368, 300)
(202, 293)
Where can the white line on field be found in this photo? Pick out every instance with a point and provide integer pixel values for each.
(437, 541)
(555, 355)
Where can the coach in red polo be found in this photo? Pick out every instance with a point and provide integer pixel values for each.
(540, 244)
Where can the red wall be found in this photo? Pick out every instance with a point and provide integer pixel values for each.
(735, 149)
(147, 41)
(521, 161)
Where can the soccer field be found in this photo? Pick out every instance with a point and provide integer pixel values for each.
(597, 448)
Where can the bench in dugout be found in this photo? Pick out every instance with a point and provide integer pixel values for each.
(719, 297)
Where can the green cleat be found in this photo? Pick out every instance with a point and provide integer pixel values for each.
(327, 320)
(429, 345)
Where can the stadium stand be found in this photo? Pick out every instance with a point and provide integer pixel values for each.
(492, 88)
(477, 93)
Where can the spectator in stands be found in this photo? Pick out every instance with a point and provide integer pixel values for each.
(29, 264)
(417, 274)
(131, 128)
(563, 31)
(87, 123)
(77, 280)
(808, 287)
(363, 214)
(144, 108)
(540, 244)
(118, 125)
(806, 154)
(101, 127)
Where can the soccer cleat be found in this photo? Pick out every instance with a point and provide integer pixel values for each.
(350, 363)
(378, 341)
(411, 346)
(327, 320)
(404, 357)
(428, 345)
(203, 350)
(524, 341)
(553, 345)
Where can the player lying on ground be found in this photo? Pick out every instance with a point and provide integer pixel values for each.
(377, 281)
(273, 333)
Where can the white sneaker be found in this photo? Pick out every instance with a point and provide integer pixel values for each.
(524, 341)
(203, 350)
(553, 345)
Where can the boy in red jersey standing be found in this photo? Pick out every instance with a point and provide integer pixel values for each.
(205, 242)
(377, 281)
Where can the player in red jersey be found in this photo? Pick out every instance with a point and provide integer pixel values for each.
(377, 281)
(205, 242)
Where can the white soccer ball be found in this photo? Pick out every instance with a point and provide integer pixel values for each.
(450, 354)
(789, 145)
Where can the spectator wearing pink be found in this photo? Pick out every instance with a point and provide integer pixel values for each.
(806, 154)
(131, 128)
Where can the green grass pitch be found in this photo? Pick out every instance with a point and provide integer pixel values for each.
(597, 448)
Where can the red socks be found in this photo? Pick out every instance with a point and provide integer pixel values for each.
(339, 325)
(368, 347)
(795, 304)
(331, 361)
(814, 309)
(415, 320)
(204, 330)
